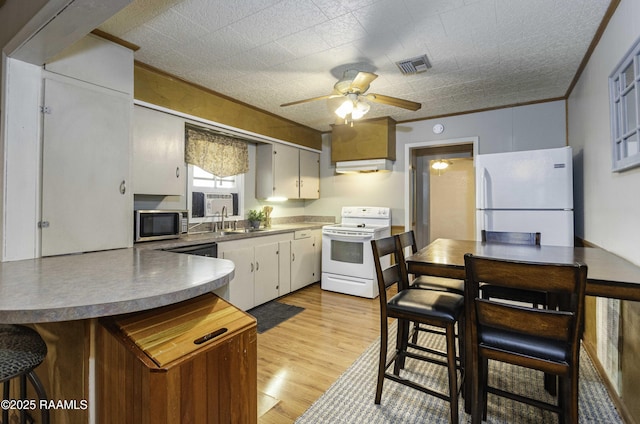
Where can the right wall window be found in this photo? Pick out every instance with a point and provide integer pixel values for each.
(625, 122)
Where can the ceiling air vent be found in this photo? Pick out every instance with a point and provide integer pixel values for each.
(414, 65)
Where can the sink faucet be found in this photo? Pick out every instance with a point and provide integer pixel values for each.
(223, 215)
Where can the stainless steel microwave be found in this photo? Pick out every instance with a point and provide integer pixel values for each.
(160, 224)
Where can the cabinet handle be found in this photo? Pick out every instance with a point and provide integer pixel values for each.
(177, 172)
(123, 187)
(251, 266)
(210, 336)
(257, 265)
(293, 257)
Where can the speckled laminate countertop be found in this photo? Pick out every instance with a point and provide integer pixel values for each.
(96, 284)
(220, 237)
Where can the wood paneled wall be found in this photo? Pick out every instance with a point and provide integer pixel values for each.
(156, 87)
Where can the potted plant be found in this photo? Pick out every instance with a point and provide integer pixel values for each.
(255, 218)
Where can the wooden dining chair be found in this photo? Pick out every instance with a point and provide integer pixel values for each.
(541, 339)
(426, 282)
(436, 308)
(408, 240)
(534, 297)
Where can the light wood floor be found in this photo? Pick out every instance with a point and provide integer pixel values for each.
(299, 359)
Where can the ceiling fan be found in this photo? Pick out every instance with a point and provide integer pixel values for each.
(353, 86)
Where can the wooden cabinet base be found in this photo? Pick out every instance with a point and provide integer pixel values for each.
(216, 383)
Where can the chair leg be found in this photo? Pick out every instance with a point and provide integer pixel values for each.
(42, 395)
(476, 389)
(5, 396)
(416, 330)
(384, 340)
(484, 376)
(453, 372)
(23, 395)
(402, 340)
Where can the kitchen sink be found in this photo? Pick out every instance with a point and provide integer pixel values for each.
(240, 231)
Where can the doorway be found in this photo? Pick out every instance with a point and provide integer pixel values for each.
(440, 190)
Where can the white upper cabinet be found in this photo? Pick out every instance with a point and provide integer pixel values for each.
(284, 171)
(96, 61)
(309, 174)
(158, 153)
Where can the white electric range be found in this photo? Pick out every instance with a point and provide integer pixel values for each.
(347, 256)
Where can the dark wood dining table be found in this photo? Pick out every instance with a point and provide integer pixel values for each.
(608, 275)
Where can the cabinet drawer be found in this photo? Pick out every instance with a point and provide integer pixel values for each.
(301, 234)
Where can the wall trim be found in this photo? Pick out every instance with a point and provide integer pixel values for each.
(407, 166)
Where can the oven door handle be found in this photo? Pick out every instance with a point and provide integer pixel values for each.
(362, 237)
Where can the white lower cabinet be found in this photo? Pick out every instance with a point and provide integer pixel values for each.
(268, 267)
(266, 281)
(258, 276)
(301, 263)
(241, 290)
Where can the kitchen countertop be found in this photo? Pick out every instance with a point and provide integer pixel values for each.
(218, 237)
(96, 284)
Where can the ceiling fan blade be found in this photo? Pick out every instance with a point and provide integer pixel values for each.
(361, 82)
(328, 96)
(393, 101)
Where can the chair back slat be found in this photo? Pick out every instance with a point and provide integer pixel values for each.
(561, 279)
(510, 237)
(408, 239)
(392, 274)
(555, 325)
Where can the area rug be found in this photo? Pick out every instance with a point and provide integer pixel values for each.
(273, 313)
(351, 398)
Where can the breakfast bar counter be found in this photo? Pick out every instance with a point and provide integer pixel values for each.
(97, 284)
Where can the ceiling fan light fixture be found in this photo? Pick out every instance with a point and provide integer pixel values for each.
(360, 110)
(346, 108)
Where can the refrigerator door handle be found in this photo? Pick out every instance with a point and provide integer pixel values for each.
(482, 196)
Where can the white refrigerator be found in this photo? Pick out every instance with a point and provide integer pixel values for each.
(526, 191)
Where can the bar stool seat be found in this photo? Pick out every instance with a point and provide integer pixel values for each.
(21, 351)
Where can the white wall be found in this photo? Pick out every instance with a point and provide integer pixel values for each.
(531, 127)
(607, 203)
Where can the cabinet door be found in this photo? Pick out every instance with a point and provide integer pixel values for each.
(317, 252)
(266, 284)
(285, 171)
(284, 277)
(86, 196)
(158, 153)
(241, 291)
(309, 174)
(302, 263)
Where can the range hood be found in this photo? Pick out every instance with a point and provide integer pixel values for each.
(368, 165)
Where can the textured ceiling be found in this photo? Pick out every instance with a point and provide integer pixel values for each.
(484, 53)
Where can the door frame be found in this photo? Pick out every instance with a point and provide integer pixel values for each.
(408, 168)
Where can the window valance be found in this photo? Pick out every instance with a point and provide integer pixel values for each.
(219, 154)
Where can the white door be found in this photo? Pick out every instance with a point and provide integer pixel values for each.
(241, 288)
(266, 282)
(87, 203)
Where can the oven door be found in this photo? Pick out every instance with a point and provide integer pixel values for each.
(348, 253)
